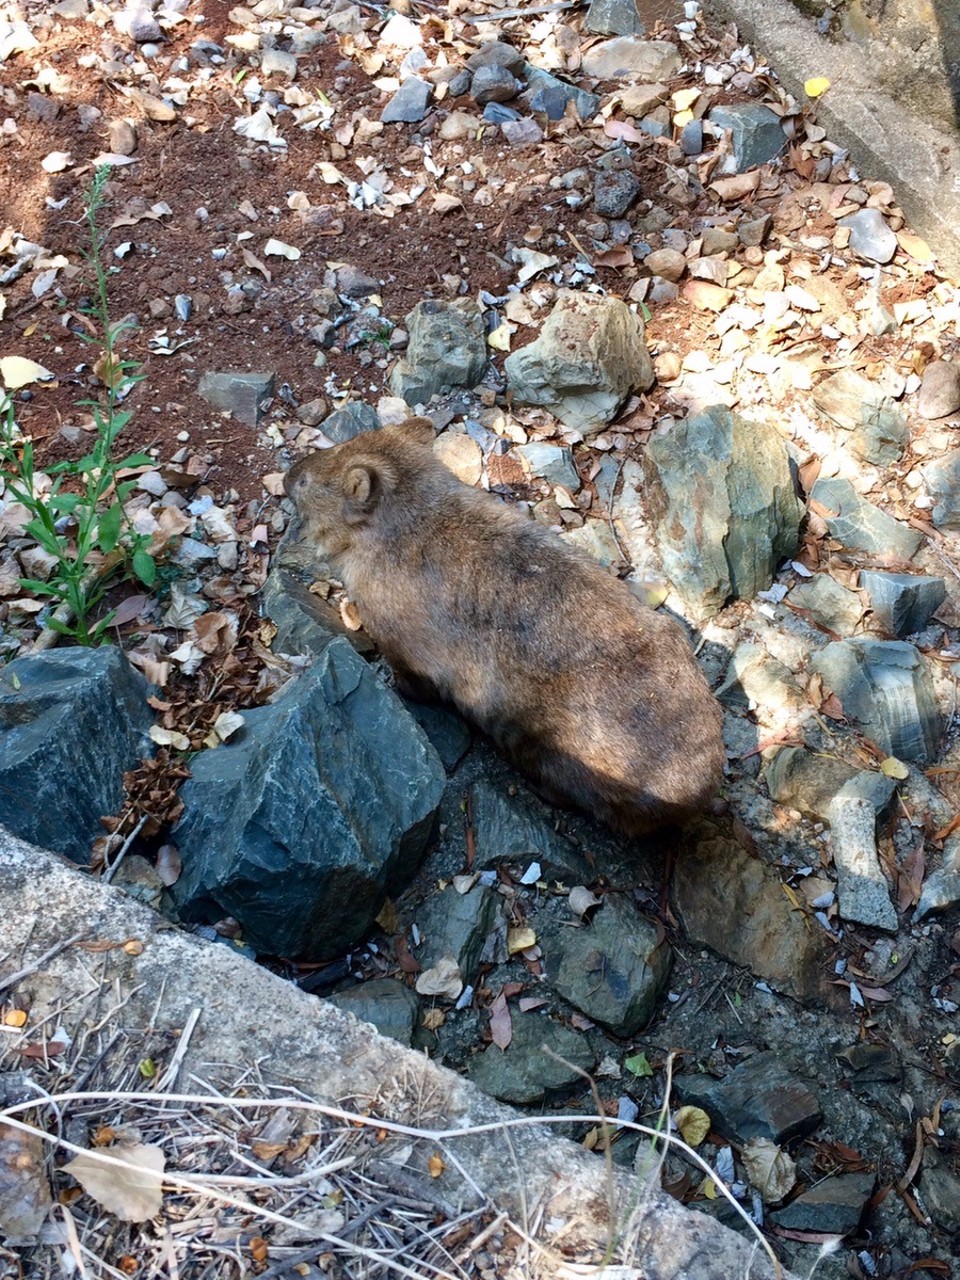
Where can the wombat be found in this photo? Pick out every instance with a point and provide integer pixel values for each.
(595, 697)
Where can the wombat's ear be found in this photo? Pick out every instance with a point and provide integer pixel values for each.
(363, 487)
(420, 430)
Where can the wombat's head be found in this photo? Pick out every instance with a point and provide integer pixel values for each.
(337, 491)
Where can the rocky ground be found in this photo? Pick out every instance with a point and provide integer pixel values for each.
(365, 211)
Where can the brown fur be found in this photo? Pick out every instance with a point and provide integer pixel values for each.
(596, 698)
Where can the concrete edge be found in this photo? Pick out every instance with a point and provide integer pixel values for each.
(888, 143)
(249, 1015)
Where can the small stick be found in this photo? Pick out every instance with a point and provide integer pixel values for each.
(111, 871)
(12, 979)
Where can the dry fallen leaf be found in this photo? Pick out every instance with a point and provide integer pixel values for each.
(133, 1191)
(769, 1169)
(18, 371)
(519, 938)
(501, 1025)
(891, 767)
(693, 1124)
(816, 86)
(443, 979)
(169, 738)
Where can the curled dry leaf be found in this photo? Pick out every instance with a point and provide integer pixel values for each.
(520, 938)
(581, 900)
(18, 371)
(168, 864)
(132, 1191)
(693, 1124)
(169, 738)
(769, 1169)
(444, 979)
(501, 1025)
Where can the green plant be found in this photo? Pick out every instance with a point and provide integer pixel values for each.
(84, 528)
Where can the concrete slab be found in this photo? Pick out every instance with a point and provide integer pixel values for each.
(249, 1016)
(920, 160)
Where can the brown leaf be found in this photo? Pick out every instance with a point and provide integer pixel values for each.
(501, 1025)
(168, 864)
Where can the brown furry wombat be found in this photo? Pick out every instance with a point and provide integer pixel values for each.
(595, 697)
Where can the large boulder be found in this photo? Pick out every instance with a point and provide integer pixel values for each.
(71, 722)
(590, 355)
(317, 809)
(722, 496)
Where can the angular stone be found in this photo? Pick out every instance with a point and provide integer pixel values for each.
(756, 132)
(832, 1207)
(870, 236)
(519, 133)
(510, 830)
(691, 138)
(754, 230)
(613, 969)
(448, 734)
(71, 721)
(551, 462)
(767, 936)
(758, 679)
(902, 603)
(941, 889)
(589, 356)
(939, 390)
(540, 81)
(810, 782)
(595, 538)
(447, 348)
(758, 1099)
(614, 18)
(497, 53)
(860, 525)
(614, 193)
(717, 240)
(873, 1063)
(349, 421)
(940, 1186)
(461, 455)
(877, 423)
(721, 495)
(409, 104)
(863, 895)
(352, 282)
(632, 58)
(494, 84)
(523, 1073)
(942, 478)
(305, 622)
(242, 395)
(386, 1003)
(832, 605)
(471, 927)
(641, 99)
(885, 687)
(317, 809)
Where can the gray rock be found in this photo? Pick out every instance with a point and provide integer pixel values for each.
(902, 603)
(941, 889)
(939, 390)
(832, 1207)
(524, 1073)
(873, 1063)
(494, 84)
(352, 282)
(754, 231)
(497, 53)
(614, 18)
(940, 1186)
(833, 606)
(885, 687)
(632, 58)
(670, 264)
(512, 831)
(758, 1099)
(614, 193)
(589, 356)
(349, 421)
(863, 895)
(756, 678)
(471, 927)
(498, 113)
(553, 462)
(521, 133)
(459, 85)
(756, 132)
(717, 240)
(860, 525)
(317, 809)
(658, 123)
(409, 104)
(540, 81)
(810, 782)
(71, 722)
(870, 236)
(766, 935)
(386, 1003)
(691, 139)
(242, 395)
(596, 539)
(942, 478)
(877, 423)
(447, 348)
(721, 495)
(552, 101)
(613, 969)
(305, 622)
(139, 23)
(448, 734)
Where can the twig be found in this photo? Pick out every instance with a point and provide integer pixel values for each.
(13, 978)
(111, 871)
(169, 1077)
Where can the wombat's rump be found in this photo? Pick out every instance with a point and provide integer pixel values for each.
(598, 699)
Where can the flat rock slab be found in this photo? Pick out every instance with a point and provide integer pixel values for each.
(902, 603)
(250, 1018)
(333, 788)
(242, 395)
(756, 132)
(510, 830)
(833, 1207)
(942, 478)
(860, 525)
(876, 424)
(758, 1099)
(71, 722)
(863, 894)
(542, 1057)
(632, 58)
(810, 782)
(885, 687)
